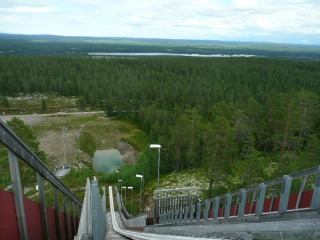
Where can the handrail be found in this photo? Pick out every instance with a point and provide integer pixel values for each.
(15, 144)
(274, 181)
(253, 200)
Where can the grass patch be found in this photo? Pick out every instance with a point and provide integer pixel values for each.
(87, 143)
(132, 135)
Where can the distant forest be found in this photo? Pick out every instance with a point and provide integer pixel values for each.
(19, 44)
(248, 118)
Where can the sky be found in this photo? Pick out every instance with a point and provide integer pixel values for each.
(280, 21)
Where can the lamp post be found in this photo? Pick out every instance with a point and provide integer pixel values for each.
(131, 198)
(157, 146)
(125, 196)
(118, 177)
(64, 143)
(141, 177)
(120, 186)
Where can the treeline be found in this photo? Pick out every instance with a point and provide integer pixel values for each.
(17, 45)
(249, 118)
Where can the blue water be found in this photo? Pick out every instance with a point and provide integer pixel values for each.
(168, 54)
(107, 160)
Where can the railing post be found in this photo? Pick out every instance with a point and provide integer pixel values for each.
(95, 195)
(303, 183)
(198, 211)
(104, 200)
(65, 206)
(242, 202)
(315, 202)
(186, 213)
(176, 215)
(172, 216)
(216, 207)
(76, 209)
(260, 198)
(72, 218)
(43, 210)
(191, 212)
(285, 193)
(165, 220)
(206, 210)
(56, 212)
(228, 206)
(18, 195)
(180, 214)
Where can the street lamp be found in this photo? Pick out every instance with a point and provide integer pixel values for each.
(157, 146)
(125, 196)
(118, 177)
(64, 143)
(141, 177)
(120, 185)
(131, 198)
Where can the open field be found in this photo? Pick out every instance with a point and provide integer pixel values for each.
(106, 134)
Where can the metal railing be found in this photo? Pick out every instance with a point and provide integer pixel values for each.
(18, 150)
(92, 221)
(274, 196)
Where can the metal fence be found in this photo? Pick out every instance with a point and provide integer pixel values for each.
(18, 150)
(293, 192)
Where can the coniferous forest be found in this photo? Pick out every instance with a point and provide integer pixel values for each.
(249, 118)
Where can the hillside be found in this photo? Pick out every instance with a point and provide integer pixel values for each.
(15, 44)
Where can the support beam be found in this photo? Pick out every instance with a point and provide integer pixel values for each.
(18, 195)
(43, 210)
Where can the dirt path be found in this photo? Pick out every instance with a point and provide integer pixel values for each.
(32, 119)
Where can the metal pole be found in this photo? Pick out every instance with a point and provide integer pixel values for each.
(64, 144)
(65, 207)
(131, 199)
(159, 169)
(56, 212)
(118, 177)
(125, 197)
(43, 210)
(140, 192)
(154, 146)
(18, 195)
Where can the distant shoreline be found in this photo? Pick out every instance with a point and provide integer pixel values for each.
(168, 54)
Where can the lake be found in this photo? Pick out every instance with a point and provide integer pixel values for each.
(107, 160)
(168, 54)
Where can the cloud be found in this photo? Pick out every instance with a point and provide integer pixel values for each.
(27, 9)
(264, 20)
